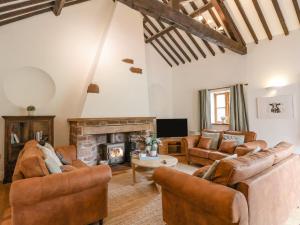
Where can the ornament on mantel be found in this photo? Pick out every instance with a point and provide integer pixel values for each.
(93, 88)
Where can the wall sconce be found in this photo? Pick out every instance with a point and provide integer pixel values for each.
(93, 89)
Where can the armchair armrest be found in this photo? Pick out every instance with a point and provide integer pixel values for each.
(190, 142)
(69, 152)
(35, 190)
(210, 198)
(250, 146)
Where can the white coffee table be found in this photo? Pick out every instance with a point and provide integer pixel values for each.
(152, 164)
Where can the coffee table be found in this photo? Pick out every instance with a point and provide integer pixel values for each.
(152, 164)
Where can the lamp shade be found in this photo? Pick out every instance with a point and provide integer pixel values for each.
(93, 88)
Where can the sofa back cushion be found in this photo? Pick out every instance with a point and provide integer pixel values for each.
(205, 143)
(281, 151)
(32, 162)
(249, 135)
(233, 171)
(228, 146)
(215, 135)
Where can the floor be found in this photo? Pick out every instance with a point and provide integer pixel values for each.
(135, 204)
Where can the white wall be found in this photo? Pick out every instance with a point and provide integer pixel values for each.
(159, 84)
(122, 92)
(64, 47)
(266, 61)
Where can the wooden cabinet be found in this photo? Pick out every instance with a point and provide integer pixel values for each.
(19, 130)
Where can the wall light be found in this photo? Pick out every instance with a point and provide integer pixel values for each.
(277, 82)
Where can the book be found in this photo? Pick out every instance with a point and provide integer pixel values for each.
(149, 158)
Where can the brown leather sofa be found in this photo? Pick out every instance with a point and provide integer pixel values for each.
(78, 197)
(201, 156)
(257, 189)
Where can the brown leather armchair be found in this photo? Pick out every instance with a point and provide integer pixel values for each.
(78, 197)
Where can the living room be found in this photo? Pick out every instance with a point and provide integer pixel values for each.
(92, 68)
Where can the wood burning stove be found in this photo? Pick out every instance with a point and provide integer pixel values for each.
(113, 153)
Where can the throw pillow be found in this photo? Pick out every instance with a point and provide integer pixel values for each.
(256, 150)
(228, 146)
(49, 152)
(67, 168)
(204, 143)
(209, 174)
(240, 139)
(214, 137)
(52, 166)
(62, 159)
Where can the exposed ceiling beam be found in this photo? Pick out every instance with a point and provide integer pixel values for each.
(59, 4)
(147, 19)
(159, 52)
(161, 45)
(159, 34)
(297, 9)
(162, 12)
(262, 19)
(201, 10)
(280, 17)
(175, 42)
(195, 7)
(228, 21)
(250, 28)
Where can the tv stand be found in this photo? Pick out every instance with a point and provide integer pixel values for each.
(172, 146)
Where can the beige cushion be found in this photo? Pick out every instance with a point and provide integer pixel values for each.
(215, 137)
(203, 153)
(231, 172)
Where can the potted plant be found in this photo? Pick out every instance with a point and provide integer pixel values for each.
(30, 110)
(152, 143)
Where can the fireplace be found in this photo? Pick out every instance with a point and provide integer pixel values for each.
(113, 153)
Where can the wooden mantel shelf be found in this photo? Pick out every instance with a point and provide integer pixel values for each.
(109, 119)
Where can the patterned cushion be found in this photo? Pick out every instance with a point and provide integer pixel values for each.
(239, 139)
(214, 137)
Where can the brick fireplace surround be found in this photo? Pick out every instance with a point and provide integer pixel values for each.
(88, 133)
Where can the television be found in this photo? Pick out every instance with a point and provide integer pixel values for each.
(171, 128)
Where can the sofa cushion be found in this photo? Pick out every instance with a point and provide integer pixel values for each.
(239, 139)
(204, 143)
(67, 168)
(228, 146)
(203, 153)
(281, 151)
(231, 172)
(249, 135)
(216, 155)
(32, 163)
(79, 164)
(200, 172)
(215, 136)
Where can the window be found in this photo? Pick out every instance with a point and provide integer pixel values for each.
(220, 103)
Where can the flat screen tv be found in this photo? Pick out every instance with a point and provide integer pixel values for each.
(171, 128)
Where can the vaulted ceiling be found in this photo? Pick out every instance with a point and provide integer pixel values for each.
(243, 21)
(182, 31)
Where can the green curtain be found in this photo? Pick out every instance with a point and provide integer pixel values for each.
(204, 109)
(238, 109)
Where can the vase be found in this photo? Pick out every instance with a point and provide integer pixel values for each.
(153, 153)
(154, 147)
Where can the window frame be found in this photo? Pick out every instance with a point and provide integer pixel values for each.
(227, 107)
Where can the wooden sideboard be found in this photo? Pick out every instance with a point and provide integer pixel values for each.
(19, 130)
(173, 147)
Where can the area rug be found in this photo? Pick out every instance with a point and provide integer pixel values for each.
(140, 204)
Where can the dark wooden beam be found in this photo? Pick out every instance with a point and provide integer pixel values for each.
(31, 9)
(59, 4)
(280, 17)
(249, 26)
(228, 21)
(159, 52)
(20, 5)
(297, 9)
(201, 10)
(175, 42)
(196, 44)
(147, 19)
(161, 45)
(195, 7)
(159, 34)
(164, 13)
(262, 19)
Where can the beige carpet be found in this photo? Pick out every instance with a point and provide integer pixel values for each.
(140, 204)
